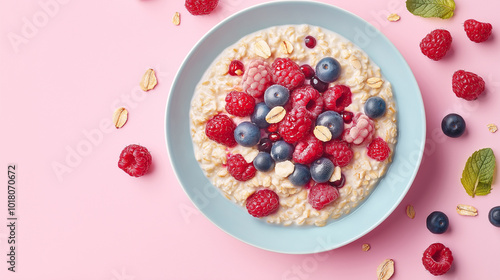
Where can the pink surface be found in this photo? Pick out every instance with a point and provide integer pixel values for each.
(76, 61)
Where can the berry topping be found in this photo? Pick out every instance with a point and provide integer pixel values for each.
(321, 195)
(340, 182)
(281, 151)
(220, 128)
(310, 41)
(378, 149)
(296, 124)
(437, 259)
(201, 7)
(437, 222)
(453, 125)
(306, 96)
(361, 130)
(375, 107)
(236, 68)
(347, 116)
(477, 31)
(328, 69)
(274, 136)
(337, 98)
(247, 134)
(333, 121)
(322, 170)
(308, 150)
(262, 203)
(287, 73)
(239, 168)
(259, 115)
(300, 175)
(257, 78)
(494, 216)
(276, 95)
(263, 162)
(273, 127)
(307, 70)
(135, 160)
(467, 85)
(318, 85)
(436, 44)
(340, 152)
(265, 145)
(239, 104)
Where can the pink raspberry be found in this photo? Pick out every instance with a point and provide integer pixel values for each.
(262, 203)
(337, 98)
(257, 78)
(296, 124)
(220, 128)
(308, 150)
(239, 168)
(378, 149)
(239, 104)
(362, 128)
(321, 195)
(135, 160)
(341, 153)
(306, 96)
(287, 73)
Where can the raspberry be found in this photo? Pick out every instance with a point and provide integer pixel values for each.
(321, 195)
(201, 7)
(436, 44)
(239, 168)
(287, 73)
(337, 98)
(378, 149)
(306, 96)
(220, 128)
(135, 160)
(257, 78)
(308, 150)
(296, 124)
(341, 153)
(239, 104)
(437, 259)
(467, 85)
(477, 31)
(262, 203)
(361, 129)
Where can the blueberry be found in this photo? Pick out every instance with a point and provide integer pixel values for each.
(263, 162)
(281, 151)
(437, 222)
(318, 85)
(276, 95)
(453, 125)
(247, 134)
(322, 170)
(333, 121)
(300, 176)
(375, 107)
(494, 216)
(328, 69)
(259, 115)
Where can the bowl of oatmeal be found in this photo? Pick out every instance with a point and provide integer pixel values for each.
(205, 162)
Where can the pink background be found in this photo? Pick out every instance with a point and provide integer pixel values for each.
(77, 61)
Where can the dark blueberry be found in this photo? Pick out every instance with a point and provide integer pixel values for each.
(310, 41)
(333, 121)
(494, 216)
(247, 134)
(263, 162)
(300, 176)
(437, 222)
(318, 85)
(340, 182)
(322, 170)
(453, 125)
(265, 145)
(281, 151)
(276, 95)
(259, 115)
(307, 70)
(328, 69)
(375, 107)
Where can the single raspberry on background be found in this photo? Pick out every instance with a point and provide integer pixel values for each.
(477, 31)
(287, 73)
(337, 98)
(436, 44)
(239, 168)
(340, 152)
(201, 7)
(308, 97)
(361, 130)
(378, 149)
(239, 104)
(257, 78)
(135, 160)
(467, 85)
(437, 259)
(308, 150)
(296, 124)
(321, 195)
(220, 128)
(262, 203)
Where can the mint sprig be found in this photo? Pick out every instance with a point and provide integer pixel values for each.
(431, 8)
(478, 172)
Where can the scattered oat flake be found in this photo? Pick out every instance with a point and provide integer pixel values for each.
(410, 211)
(466, 210)
(393, 17)
(177, 18)
(492, 128)
(365, 247)
(120, 117)
(148, 81)
(385, 270)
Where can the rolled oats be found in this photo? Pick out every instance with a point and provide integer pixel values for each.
(149, 80)
(466, 210)
(176, 20)
(393, 17)
(120, 117)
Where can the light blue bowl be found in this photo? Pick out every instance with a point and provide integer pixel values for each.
(234, 219)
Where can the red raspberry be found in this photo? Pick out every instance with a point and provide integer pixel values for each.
(467, 85)
(437, 259)
(306, 96)
(477, 31)
(337, 98)
(257, 78)
(436, 44)
(220, 128)
(201, 7)
(308, 150)
(135, 160)
(262, 203)
(287, 73)
(378, 149)
(239, 168)
(296, 124)
(341, 153)
(321, 195)
(236, 68)
(361, 130)
(239, 104)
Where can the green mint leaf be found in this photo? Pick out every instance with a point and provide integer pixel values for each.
(431, 8)
(478, 172)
